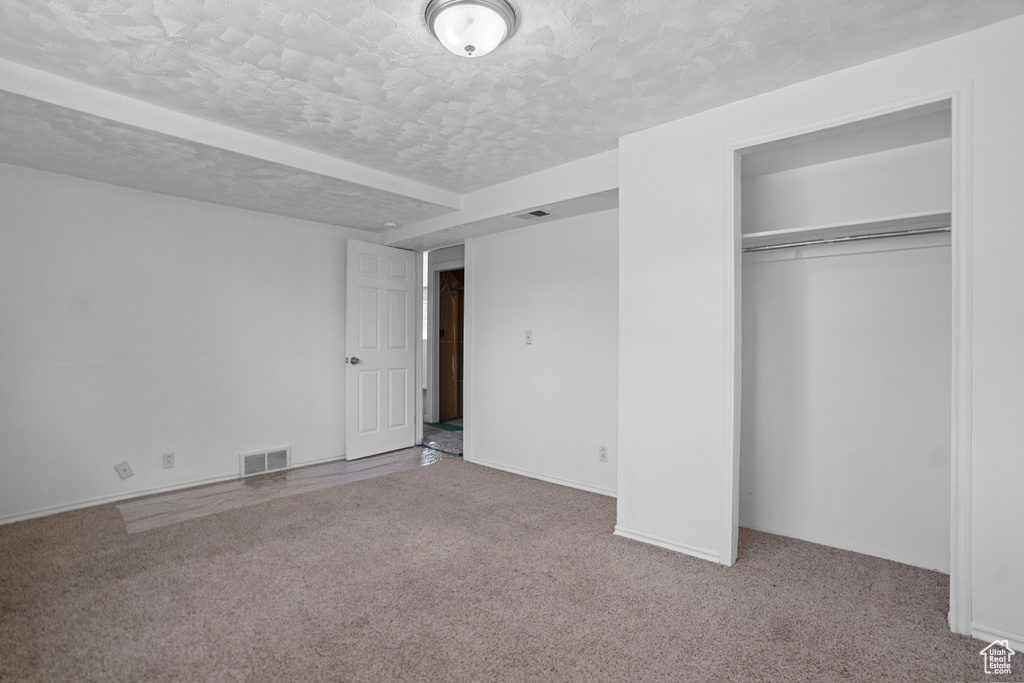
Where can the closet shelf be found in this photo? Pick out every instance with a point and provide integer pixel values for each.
(914, 221)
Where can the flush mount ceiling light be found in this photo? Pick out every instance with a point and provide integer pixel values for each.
(470, 28)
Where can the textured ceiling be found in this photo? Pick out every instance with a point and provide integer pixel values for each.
(364, 81)
(61, 140)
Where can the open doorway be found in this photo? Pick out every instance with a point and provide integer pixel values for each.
(445, 299)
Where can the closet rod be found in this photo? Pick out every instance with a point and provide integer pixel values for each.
(848, 238)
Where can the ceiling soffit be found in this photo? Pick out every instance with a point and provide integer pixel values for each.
(457, 234)
(53, 138)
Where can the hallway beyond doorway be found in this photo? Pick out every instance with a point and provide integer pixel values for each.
(445, 437)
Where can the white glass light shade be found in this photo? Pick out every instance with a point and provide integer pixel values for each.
(470, 28)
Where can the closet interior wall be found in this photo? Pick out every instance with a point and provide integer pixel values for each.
(845, 416)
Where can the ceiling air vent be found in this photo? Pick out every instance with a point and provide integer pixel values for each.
(530, 215)
(260, 462)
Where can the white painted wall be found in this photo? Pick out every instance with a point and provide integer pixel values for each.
(895, 182)
(675, 322)
(543, 409)
(447, 255)
(135, 324)
(846, 410)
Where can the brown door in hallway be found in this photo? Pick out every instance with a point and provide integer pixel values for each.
(450, 322)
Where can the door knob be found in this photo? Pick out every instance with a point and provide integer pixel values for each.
(354, 361)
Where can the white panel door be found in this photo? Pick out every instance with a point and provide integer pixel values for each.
(380, 341)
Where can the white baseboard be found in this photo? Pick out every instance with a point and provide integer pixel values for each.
(544, 477)
(103, 500)
(318, 461)
(986, 634)
(693, 551)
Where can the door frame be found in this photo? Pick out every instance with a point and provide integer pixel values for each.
(961, 103)
(434, 271)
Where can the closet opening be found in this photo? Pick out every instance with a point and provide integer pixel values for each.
(845, 333)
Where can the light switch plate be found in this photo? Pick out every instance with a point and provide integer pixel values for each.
(529, 336)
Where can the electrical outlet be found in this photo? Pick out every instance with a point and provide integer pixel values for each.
(124, 470)
(529, 336)
(168, 460)
(602, 453)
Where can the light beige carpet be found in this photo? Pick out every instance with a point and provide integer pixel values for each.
(452, 572)
(159, 510)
